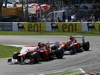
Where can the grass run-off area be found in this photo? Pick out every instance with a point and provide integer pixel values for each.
(50, 33)
(7, 51)
(65, 72)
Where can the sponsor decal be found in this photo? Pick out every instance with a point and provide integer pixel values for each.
(35, 26)
(70, 27)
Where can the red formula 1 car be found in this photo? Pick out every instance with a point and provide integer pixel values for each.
(31, 55)
(75, 47)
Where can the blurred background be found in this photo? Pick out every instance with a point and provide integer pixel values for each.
(49, 10)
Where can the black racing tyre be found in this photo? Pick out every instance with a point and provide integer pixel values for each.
(79, 50)
(51, 57)
(59, 53)
(73, 50)
(34, 58)
(54, 47)
(86, 46)
(9, 60)
(15, 55)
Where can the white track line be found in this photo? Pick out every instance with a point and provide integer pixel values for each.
(82, 70)
(16, 45)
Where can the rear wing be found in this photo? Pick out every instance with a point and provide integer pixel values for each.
(81, 37)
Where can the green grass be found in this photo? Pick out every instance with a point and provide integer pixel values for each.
(50, 33)
(66, 72)
(7, 51)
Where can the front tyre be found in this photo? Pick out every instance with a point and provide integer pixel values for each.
(59, 53)
(34, 58)
(73, 50)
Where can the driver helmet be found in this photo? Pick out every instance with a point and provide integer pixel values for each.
(71, 38)
(40, 44)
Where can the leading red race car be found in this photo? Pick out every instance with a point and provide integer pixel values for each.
(73, 46)
(31, 55)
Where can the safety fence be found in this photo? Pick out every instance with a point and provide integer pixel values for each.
(51, 26)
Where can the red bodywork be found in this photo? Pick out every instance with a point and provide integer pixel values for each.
(67, 44)
(44, 53)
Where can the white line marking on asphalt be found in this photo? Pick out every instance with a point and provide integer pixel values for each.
(17, 45)
(82, 70)
(41, 74)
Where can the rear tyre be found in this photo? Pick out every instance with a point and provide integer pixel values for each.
(86, 46)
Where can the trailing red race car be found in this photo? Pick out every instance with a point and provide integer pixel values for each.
(75, 47)
(31, 55)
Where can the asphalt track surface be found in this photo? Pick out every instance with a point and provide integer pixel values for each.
(89, 61)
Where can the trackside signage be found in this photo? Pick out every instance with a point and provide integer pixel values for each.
(91, 27)
(6, 26)
(97, 26)
(51, 26)
(69, 27)
(35, 26)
